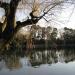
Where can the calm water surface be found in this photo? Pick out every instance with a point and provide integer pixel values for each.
(37, 62)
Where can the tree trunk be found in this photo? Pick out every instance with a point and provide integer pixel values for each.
(10, 16)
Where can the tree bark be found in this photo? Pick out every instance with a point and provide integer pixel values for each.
(10, 16)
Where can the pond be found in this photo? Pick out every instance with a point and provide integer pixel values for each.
(37, 62)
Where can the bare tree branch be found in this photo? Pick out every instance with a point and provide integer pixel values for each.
(36, 19)
(45, 19)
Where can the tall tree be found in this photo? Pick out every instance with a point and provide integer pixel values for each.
(39, 9)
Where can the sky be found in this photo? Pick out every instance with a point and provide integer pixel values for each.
(64, 19)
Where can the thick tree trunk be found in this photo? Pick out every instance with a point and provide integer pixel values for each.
(9, 27)
(7, 34)
(10, 16)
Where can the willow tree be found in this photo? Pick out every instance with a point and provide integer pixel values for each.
(38, 9)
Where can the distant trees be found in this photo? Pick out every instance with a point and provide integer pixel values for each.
(54, 34)
(48, 33)
(68, 40)
(69, 36)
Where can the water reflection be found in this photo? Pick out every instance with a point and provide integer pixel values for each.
(34, 58)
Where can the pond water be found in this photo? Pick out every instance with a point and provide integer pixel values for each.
(37, 62)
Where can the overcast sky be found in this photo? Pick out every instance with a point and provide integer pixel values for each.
(64, 19)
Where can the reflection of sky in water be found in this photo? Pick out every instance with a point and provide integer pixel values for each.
(54, 69)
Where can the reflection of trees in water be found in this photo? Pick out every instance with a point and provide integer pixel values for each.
(69, 55)
(35, 57)
(11, 59)
(13, 62)
(43, 57)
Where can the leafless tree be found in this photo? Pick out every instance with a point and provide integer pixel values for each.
(38, 9)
